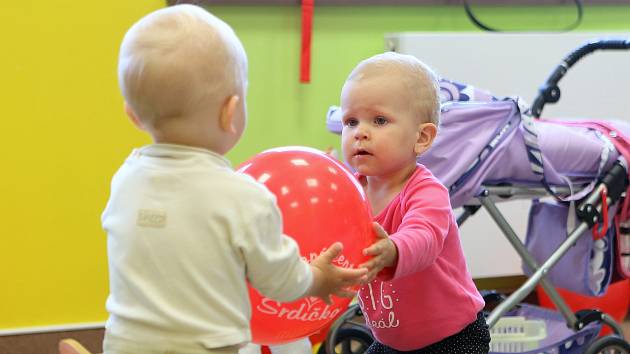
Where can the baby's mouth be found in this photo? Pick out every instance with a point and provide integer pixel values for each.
(362, 152)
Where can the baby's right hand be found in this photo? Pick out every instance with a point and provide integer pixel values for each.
(384, 253)
(329, 279)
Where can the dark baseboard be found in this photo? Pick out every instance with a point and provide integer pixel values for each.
(92, 339)
(46, 343)
(506, 285)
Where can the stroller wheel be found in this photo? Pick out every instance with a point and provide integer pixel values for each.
(350, 340)
(609, 345)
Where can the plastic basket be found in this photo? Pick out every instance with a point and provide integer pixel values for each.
(558, 338)
(516, 334)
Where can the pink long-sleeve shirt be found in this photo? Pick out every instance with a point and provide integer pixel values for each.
(429, 295)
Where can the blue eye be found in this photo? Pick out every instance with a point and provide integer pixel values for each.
(380, 120)
(350, 122)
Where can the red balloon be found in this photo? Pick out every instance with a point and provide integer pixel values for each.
(321, 202)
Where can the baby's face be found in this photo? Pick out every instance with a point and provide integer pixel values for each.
(380, 129)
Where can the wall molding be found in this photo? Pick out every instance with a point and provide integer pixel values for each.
(52, 328)
(398, 2)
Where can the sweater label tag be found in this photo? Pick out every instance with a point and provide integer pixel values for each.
(151, 218)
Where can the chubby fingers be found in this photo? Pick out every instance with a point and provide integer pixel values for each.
(352, 273)
(379, 231)
(377, 248)
(376, 262)
(380, 245)
(345, 293)
(350, 277)
(372, 262)
(332, 252)
(375, 265)
(379, 251)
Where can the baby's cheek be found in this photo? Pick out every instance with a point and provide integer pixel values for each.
(345, 151)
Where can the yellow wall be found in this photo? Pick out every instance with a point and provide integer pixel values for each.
(62, 135)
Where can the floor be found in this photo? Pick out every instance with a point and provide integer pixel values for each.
(46, 343)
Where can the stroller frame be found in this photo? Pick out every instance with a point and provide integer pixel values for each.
(488, 200)
(574, 321)
(614, 182)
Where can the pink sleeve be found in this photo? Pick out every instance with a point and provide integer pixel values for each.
(424, 227)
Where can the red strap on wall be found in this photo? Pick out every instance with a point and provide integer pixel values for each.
(307, 32)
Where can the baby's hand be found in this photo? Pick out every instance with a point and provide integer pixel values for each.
(329, 279)
(384, 252)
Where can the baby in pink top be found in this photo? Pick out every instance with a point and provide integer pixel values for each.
(420, 297)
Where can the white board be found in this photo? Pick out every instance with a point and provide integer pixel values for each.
(596, 87)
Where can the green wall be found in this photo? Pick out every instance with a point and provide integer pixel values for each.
(285, 112)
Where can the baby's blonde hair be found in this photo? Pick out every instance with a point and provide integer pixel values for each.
(420, 82)
(178, 60)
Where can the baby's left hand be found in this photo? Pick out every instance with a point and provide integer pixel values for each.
(384, 252)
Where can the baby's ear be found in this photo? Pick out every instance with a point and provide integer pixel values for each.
(426, 134)
(226, 120)
(133, 117)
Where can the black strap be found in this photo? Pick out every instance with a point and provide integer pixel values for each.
(473, 18)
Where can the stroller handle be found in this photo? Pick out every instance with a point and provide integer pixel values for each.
(549, 92)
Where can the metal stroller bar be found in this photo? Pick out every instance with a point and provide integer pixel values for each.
(589, 213)
(515, 241)
(506, 192)
(549, 92)
(509, 191)
(538, 276)
(487, 202)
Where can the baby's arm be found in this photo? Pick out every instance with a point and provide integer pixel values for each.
(384, 253)
(329, 279)
(422, 232)
(273, 263)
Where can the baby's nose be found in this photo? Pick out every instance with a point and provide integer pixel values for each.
(361, 133)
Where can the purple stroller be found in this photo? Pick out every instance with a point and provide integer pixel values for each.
(510, 154)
